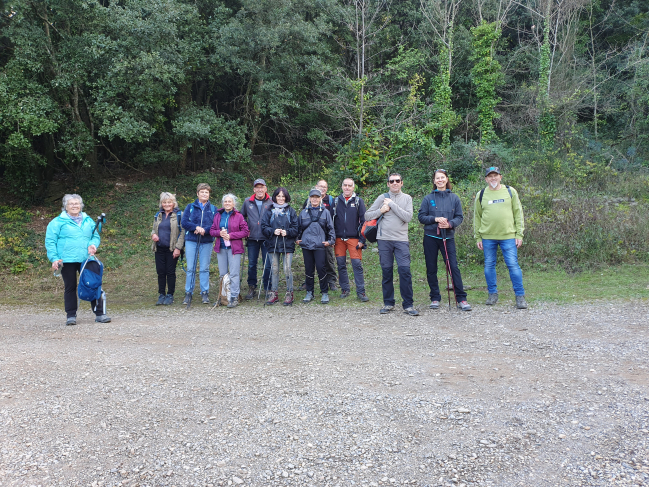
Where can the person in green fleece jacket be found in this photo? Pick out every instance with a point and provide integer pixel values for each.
(498, 221)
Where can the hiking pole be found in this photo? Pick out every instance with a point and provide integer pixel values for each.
(448, 271)
(100, 219)
(264, 268)
(198, 246)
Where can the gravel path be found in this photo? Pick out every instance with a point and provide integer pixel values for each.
(326, 396)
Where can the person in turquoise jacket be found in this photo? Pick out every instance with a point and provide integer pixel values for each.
(69, 241)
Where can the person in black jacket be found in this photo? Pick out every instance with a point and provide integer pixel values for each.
(280, 228)
(316, 234)
(349, 216)
(254, 210)
(441, 214)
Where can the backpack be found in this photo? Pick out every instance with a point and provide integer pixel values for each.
(89, 288)
(224, 291)
(370, 228)
(483, 189)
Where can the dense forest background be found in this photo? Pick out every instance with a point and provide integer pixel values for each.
(172, 86)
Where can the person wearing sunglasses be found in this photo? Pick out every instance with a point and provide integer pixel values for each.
(395, 207)
(441, 213)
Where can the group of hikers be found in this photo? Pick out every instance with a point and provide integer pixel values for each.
(326, 228)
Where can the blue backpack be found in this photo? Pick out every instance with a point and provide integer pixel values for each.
(90, 277)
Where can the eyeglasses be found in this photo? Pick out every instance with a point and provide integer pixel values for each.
(392, 181)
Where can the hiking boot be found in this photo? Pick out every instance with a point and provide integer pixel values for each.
(333, 286)
(72, 320)
(303, 286)
(308, 298)
(251, 293)
(492, 299)
(324, 299)
(169, 299)
(161, 300)
(464, 306)
(288, 299)
(362, 297)
(386, 309)
(411, 311)
(434, 305)
(233, 303)
(520, 302)
(344, 294)
(205, 297)
(102, 319)
(188, 298)
(271, 298)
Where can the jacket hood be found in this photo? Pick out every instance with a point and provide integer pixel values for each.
(252, 198)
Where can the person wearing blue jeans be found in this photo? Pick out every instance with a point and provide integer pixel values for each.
(197, 220)
(498, 221)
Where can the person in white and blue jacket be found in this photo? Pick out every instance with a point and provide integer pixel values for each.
(441, 213)
(197, 220)
(70, 239)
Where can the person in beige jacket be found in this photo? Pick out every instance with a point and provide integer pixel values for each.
(168, 242)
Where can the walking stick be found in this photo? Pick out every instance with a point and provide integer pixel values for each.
(448, 271)
(198, 247)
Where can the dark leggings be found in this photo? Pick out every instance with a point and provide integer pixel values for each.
(315, 258)
(165, 266)
(69, 275)
(431, 247)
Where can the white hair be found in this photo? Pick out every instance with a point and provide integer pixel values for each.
(164, 196)
(234, 199)
(69, 197)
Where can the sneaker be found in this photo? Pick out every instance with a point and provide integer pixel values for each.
(344, 294)
(271, 298)
(161, 300)
(169, 299)
(325, 298)
(188, 298)
(520, 302)
(102, 319)
(411, 311)
(464, 306)
(386, 309)
(205, 297)
(251, 293)
(303, 286)
(233, 303)
(434, 305)
(492, 299)
(288, 299)
(308, 298)
(362, 297)
(72, 320)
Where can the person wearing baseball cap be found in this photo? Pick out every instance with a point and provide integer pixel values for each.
(498, 222)
(253, 210)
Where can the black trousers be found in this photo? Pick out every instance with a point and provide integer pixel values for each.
(431, 247)
(165, 266)
(69, 275)
(315, 259)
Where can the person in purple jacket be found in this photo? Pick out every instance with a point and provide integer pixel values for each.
(229, 228)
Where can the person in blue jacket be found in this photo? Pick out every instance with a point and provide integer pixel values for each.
(316, 233)
(441, 213)
(197, 220)
(69, 241)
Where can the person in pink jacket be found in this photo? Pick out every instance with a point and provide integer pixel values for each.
(229, 228)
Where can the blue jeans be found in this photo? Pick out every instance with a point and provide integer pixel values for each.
(254, 247)
(510, 254)
(204, 256)
(288, 272)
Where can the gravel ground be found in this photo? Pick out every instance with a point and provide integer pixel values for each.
(326, 396)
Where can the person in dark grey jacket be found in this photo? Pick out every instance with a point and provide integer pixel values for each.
(441, 213)
(316, 234)
(253, 210)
